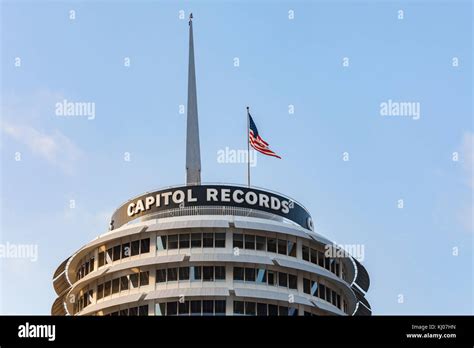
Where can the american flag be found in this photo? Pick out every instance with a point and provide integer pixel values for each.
(257, 142)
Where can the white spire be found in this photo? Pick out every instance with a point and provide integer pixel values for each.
(193, 152)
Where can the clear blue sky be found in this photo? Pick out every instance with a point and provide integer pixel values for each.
(408, 251)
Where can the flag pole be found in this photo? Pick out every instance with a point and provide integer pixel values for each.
(248, 147)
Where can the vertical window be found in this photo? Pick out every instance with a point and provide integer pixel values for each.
(283, 311)
(271, 245)
(271, 278)
(321, 259)
(292, 311)
(322, 291)
(172, 274)
(219, 272)
(272, 310)
(173, 241)
(208, 273)
(292, 281)
(238, 241)
(250, 308)
(338, 301)
(91, 265)
(260, 243)
(305, 253)
(123, 283)
(262, 309)
(134, 280)
(195, 272)
(101, 259)
(196, 240)
(249, 241)
(123, 312)
(160, 309)
(328, 294)
(332, 263)
(86, 268)
(196, 307)
(126, 250)
(183, 308)
(314, 256)
(145, 246)
(161, 275)
(282, 246)
(143, 310)
(171, 308)
(184, 273)
(262, 276)
(306, 286)
(115, 285)
(107, 288)
(314, 288)
(333, 298)
(337, 271)
(100, 291)
(207, 307)
(239, 307)
(238, 273)
(135, 247)
(116, 253)
(144, 278)
(283, 279)
(291, 248)
(110, 253)
(133, 311)
(184, 241)
(220, 240)
(219, 307)
(160, 243)
(208, 240)
(249, 274)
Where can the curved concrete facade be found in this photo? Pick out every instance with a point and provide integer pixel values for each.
(210, 265)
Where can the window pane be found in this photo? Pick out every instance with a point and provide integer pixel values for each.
(249, 242)
(314, 256)
(306, 286)
(183, 308)
(144, 278)
(305, 253)
(262, 275)
(208, 240)
(184, 273)
(322, 291)
(160, 309)
(196, 307)
(338, 301)
(115, 286)
(239, 307)
(292, 281)
(220, 240)
(133, 311)
(123, 312)
(161, 243)
(283, 310)
(249, 274)
(195, 272)
(173, 241)
(123, 283)
(272, 310)
(135, 247)
(196, 240)
(321, 259)
(271, 278)
(271, 245)
(333, 265)
(172, 274)
(333, 298)
(292, 311)
(238, 273)
(161, 275)
(314, 288)
(250, 308)
(91, 265)
(291, 248)
(220, 272)
(282, 279)
(262, 309)
(109, 255)
(101, 259)
(184, 241)
(171, 308)
(107, 288)
(208, 273)
(337, 270)
(281, 246)
(100, 291)
(219, 307)
(261, 243)
(145, 246)
(328, 294)
(143, 310)
(238, 241)
(116, 253)
(207, 307)
(126, 250)
(134, 280)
